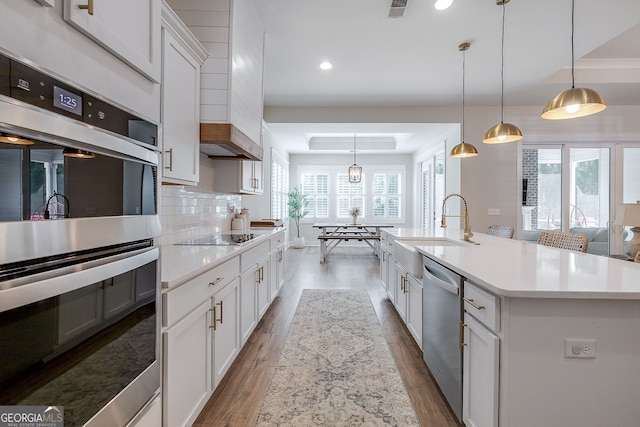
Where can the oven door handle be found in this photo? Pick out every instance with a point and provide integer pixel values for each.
(56, 282)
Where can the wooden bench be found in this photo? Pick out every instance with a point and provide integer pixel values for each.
(331, 235)
(344, 237)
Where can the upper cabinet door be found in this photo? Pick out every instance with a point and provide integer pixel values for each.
(128, 29)
(180, 112)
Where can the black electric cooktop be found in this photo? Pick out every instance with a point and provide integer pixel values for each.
(232, 239)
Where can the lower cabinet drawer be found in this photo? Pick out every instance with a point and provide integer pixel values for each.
(179, 302)
(277, 240)
(250, 257)
(482, 305)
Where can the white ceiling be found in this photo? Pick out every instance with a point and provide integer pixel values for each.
(414, 60)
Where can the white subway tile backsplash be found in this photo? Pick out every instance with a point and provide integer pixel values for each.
(187, 214)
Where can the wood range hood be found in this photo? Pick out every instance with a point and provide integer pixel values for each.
(224, 141)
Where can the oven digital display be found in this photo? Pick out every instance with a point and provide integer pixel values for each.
(66, 100)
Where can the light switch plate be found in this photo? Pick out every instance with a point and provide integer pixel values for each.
(494, 211)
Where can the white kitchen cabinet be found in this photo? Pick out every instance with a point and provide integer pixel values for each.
(187, 367)
(226, 329)
(238, 177)
(481, 373)
(195, 355)
(252, 177)
(252, 265)
(390, 269)
(129, 30)
(182, 56)
(254, 294)
(414, 308)
(401, 291)
(276, 264)
(248, 301)
(277, 271)
(481, 357)
(263, 294)
(385, 257)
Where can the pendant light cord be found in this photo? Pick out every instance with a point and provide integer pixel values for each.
(502, 69)
(354, 148)
(573, 61)
(463, 64)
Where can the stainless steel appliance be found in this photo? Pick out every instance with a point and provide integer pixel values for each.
(442, 310)
(79, 268)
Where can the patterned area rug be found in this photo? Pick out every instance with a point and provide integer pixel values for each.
(336, 368)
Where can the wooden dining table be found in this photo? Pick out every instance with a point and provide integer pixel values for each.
(332, 234)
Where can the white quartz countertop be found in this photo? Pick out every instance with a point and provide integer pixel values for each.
(181, 263)
(515, 268)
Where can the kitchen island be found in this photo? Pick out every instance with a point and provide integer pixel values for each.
(551, 337)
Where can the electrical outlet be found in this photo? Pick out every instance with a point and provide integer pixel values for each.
(494, 211)
(575, 348)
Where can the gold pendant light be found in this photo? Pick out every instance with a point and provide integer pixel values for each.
(574, 102)
(502, 132)
(14, 139)
(77, 153)
(355, 171)
(462, 149)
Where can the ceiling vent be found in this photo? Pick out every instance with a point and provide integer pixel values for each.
(397, 8)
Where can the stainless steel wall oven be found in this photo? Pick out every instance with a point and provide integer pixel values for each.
(79, 267)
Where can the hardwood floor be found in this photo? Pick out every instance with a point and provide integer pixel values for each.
(237, 400)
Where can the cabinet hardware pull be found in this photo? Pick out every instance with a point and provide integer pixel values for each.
(461, 342)
(170, 167)
(214, 318)
(406, 280)
(383, 258)
(473, 304)
(88, 7)
(218, 280)
(402, 279)
(261, 274)
(220, 304)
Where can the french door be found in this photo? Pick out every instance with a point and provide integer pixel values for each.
(568, 188)
(432, 190)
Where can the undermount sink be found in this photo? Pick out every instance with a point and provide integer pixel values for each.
(408, 257)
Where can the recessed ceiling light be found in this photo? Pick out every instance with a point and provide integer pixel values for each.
(443, 4)
(326, 65)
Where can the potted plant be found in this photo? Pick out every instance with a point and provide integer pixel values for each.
(355, 212)
(298, 208)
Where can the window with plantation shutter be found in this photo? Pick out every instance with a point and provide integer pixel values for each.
(279, 186)
(379, 195)
(316, 187)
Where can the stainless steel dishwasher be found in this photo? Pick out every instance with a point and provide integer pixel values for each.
(441, 316)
